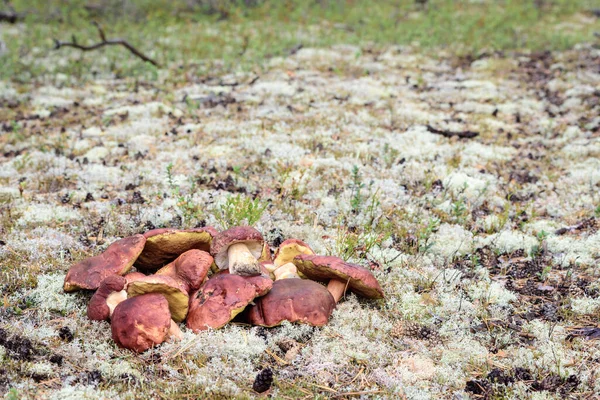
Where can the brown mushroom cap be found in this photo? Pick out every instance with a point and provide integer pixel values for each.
(262, 282)
(117, 259)
(238, 234)
(220, 299)
(98, 308)
(294, 300)
(141, 322)
(324, 268)
(165, 245)
(191, 268)
(172, 289)
(290, 248)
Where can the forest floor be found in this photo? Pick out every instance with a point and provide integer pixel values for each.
(469, 185)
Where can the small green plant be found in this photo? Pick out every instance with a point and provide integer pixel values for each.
(459, 210)
(545, 272)
(357, 185)
(188, 210)
(424, 234)
(389, 155)
(354, 244)
(597, 211)
(22, 163)
(12, 394)
(239, 210)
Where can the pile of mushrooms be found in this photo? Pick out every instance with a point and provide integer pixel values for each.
(207, 279)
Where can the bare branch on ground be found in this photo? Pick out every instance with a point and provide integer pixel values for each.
(449, 134)
(105, 42)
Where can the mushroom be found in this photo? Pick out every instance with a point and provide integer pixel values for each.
(238, 249)
(294, 300)
(166, 244)
(222, 297)
(263, 282)
(265, 256)
(286, 271)
(190, 268)
(269, 267)
(142, 322)
(290, 248)
(117, 259)
(172, 289)
(340, 276)
(110, 293)
(132, 276)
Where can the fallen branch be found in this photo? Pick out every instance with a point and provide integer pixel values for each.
(586, 223)
(105, 42)
(449, 134)
(588, 332)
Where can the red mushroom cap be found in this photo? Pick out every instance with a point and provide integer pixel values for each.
(117, 259)
(220, 299)
(324, 268)
(294, 300)
(141, 322)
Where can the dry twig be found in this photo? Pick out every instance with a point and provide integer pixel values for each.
(448, 134)
(104, 42)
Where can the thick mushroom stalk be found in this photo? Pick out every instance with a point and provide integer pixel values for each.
(238, 249)
(175, 333)
(337, 289)
(241, 260)
(286, 271)
(114, 299)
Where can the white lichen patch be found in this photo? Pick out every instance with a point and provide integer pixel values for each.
(49, 296)
(509, 241)
(451, 241)
(45, 214)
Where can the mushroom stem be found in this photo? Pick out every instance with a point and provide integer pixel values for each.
(241, 260)
(337, 289)
(175, 333)
(115, 298)
(286, 271)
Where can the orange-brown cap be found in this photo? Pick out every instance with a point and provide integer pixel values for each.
(172, 289)
(324, 268)
(294, 300)
(165, 245)
(106, 298)
(238, 234)
(290, 248)
(191, 268)
(221, 298)
(117, 259)
(141, 322)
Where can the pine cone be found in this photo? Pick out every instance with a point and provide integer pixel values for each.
(263, 380)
